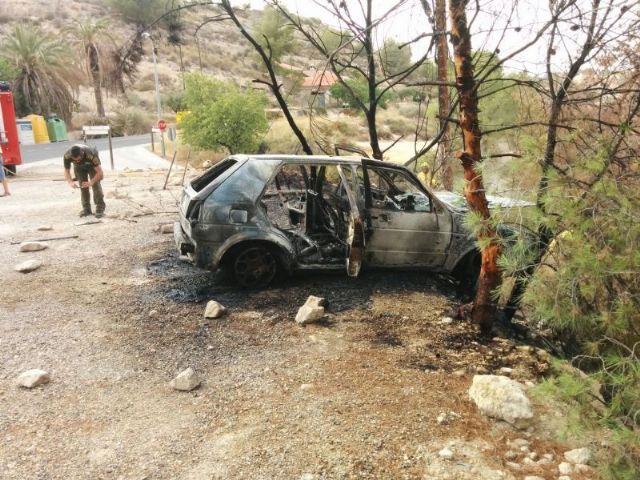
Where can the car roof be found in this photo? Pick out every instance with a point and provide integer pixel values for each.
(311, 159)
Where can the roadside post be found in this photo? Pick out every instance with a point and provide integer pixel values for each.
(162, 126)
(99, 131)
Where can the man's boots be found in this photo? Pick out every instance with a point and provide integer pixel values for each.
(84, 213)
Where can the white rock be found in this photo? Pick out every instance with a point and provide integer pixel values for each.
(214, 310)
(511, 455)
(33, 378)
(519, 442)
(533, 477)
(186, 380)
(579, 455)
(311, 311)
(564, 477)
(446, 453)
(166, 228)
(506, 370)
(306, 386)
(502, 398)
(446, 418)
(565, 468)
(446, 320)
(580, 467)
(28, 266)
(45, 228)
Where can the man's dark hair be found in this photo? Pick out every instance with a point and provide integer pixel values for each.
(76, 151)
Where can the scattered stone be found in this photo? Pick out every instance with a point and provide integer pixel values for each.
(579, 455)
(185, 381)
(33, 378)
(533, 456)
(564, 477)
(311, 311)
(524, 348)
(45, 228)
(446, 453)
(459, 373)
(28, 266)
(506, 371)
(153, 313)
(446, 320)
(33, 246)
(513, 465)
(511, 455)
(519, 442)
(166, 228)
(565, 468)
(502, 398)
(445, 418)
(579, 467)
(214, 310)
(533, 477)
(306, 386)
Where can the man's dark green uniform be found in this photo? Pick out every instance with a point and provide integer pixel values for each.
(84, 169)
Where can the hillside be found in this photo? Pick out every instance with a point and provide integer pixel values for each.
(222, 52)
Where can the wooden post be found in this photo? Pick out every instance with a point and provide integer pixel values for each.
(166, 180)
(111, 149)
(186, 165)
(153, 143)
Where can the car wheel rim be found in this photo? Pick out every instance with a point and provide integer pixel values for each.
(255, 267)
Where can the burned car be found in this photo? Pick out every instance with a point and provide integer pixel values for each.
(260, 214)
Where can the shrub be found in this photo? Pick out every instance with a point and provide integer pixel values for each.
(357, 89)
(131, 121)
(222, 116)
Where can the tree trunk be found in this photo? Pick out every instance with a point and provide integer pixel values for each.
(442, 57)
(94, 68)
(484, 308)
(376, 152)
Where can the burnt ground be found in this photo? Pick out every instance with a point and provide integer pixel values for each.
(114, 315)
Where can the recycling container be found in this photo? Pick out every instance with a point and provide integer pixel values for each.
(40, 132)
(25, 132)
(57, 129)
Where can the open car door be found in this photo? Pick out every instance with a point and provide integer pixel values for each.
(404, 226)
(355, 230)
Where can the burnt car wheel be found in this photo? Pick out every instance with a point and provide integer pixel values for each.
(254, 267)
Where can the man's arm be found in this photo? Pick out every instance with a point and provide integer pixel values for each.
(69, 180)
(96, 178)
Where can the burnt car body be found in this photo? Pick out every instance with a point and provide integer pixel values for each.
(257, 214)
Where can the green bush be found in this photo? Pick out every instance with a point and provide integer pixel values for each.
(222, 116)
(131, 121)
(357, 89)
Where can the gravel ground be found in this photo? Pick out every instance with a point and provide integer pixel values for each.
(114, 315)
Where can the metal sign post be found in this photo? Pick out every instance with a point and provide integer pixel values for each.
(99, 131)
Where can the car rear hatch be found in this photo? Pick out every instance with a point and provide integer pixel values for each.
(196, 191)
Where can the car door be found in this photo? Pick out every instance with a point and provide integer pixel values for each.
(405, 227)
(355, 230)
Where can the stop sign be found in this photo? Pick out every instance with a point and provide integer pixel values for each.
(162, 125)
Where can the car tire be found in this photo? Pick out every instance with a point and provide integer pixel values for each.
(467, 274)
(254, 266)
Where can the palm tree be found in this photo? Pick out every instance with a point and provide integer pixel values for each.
(46, 77)
(88, 35)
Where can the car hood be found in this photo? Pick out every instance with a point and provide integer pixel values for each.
(457, 202)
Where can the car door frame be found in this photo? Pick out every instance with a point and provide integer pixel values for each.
(434, 259)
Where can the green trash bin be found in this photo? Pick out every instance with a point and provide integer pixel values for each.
(57, 129)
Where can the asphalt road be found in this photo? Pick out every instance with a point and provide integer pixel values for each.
(44, 151)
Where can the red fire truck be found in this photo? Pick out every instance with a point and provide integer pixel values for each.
(8, 130)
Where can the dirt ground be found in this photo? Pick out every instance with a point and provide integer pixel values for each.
(114, 315)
